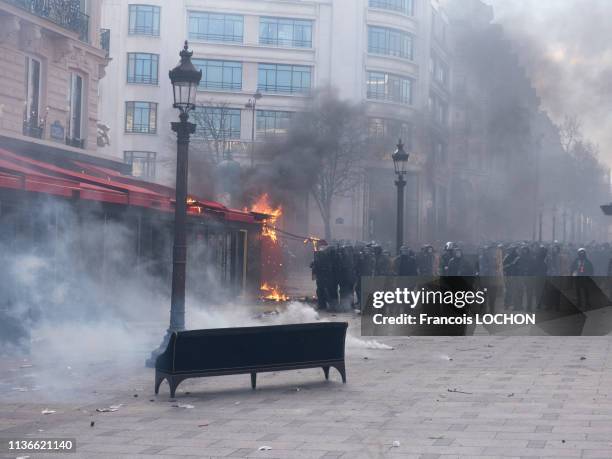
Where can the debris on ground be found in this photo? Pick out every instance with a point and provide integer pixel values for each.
(436, 438)
(92, 423)
(187, 406)
(583, 358)
(511, 395)
(20, 389)
(26, 365)
(110, 409)
(457, 391)
(135, 395)
(47, 411)
(297, 389)
(264, 448)
(396, 444)
(203, 425)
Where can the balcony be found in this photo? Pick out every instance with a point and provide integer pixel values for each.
(64, 13)
(105, 40)
(34, 128)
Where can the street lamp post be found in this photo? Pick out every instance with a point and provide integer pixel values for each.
(400, 161)
(185, 79)
(252, 105)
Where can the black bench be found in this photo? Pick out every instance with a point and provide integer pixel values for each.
(228, 351)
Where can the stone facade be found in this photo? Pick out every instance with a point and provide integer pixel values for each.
(61, 51)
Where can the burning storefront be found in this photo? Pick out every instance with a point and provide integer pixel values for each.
(42, 202)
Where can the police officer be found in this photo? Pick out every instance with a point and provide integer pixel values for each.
(447, 254)
(457, 266)
(320, 272)
(405, 263)
(425, 261)
(346, 278)
(582, 270)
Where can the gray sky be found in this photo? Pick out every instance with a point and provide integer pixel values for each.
(566, 46)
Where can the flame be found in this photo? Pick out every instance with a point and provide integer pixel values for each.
(193, 205)
(263, 206)
(273, 293)
(314, 241)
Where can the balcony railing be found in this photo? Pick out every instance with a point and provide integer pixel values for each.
(105, 40)
(34, 128)
(64, 13)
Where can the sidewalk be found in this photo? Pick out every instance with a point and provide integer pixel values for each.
(428, 398)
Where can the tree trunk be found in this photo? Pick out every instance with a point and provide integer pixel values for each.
(326, 214)
(328, 231)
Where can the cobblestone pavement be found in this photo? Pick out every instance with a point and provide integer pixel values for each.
(427, 398)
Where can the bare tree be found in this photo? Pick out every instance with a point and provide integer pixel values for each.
(570, 132)
(213, 129)
(322, 153)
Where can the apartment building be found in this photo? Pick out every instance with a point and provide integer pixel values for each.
(51, 61)
(391, 54)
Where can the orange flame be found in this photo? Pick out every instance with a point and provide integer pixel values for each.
(314, 241)
(263, 206)
(273, 293)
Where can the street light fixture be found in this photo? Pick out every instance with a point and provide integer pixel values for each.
(185, 79)
(252, 105)
(400, 162)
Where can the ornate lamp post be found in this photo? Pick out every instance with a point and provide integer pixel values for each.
(252, 105)
(400, 162)
(185, 79)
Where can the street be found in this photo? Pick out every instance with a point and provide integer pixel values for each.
(427, 398)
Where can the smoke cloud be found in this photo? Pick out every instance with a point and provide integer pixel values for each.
(565, 47)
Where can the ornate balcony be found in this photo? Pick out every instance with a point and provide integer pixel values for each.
(64, 13)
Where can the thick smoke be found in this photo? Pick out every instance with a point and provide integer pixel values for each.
(76, 305)
(565, 47)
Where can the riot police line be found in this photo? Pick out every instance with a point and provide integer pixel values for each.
(508, 269)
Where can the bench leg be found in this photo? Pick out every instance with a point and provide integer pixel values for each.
(158, 380)
(326, 372)
(253, 380)
(174, 382)
(340, 367)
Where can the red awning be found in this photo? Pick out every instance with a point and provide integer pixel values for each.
(96, 183)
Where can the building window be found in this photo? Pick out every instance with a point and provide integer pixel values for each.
(438, 70)
(141, 117)
(390, 42)
(142, 162)
(272, 123)
(142, 68)
(385, 129)
(144, 20)
(401, 6)
(294, 33)
(385, 86)
(439, 152)
(438, 109)
(284, 78)
(438, 27)
(219, 74)
(76, 103)
(217, 123)
(216, 27)
(32, 124)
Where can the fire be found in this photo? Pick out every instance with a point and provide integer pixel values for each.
(314, 241)
(273, 293)
(263, 206)
(193, 205)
